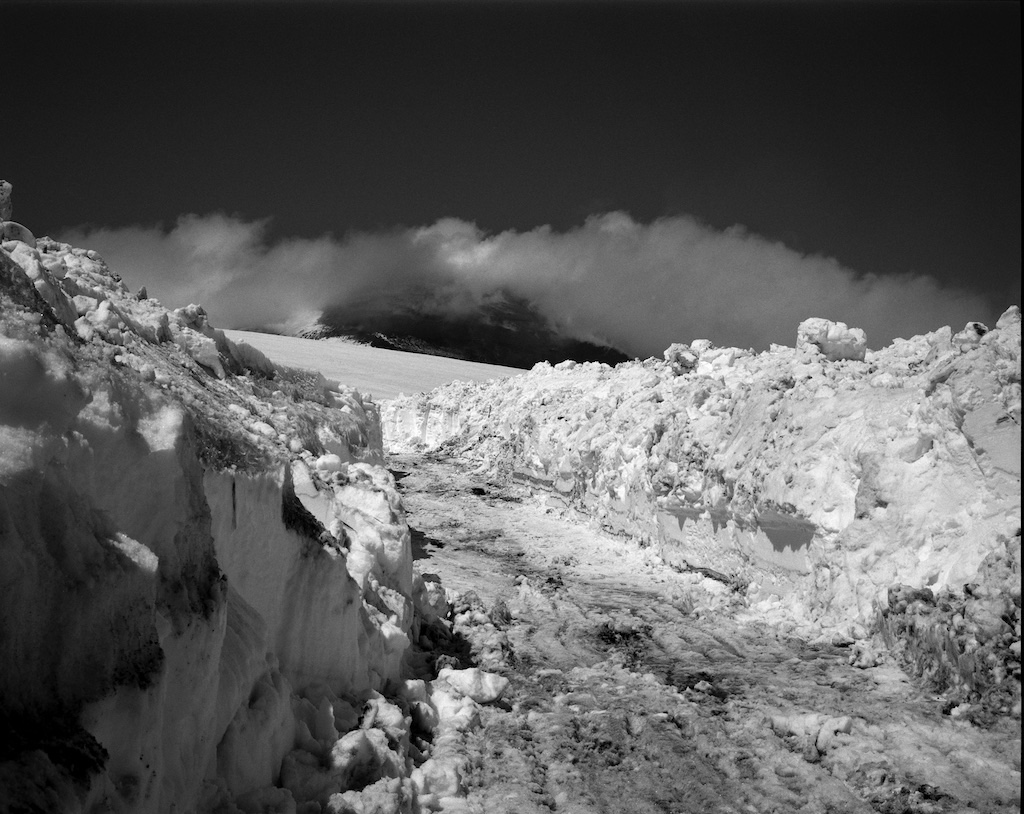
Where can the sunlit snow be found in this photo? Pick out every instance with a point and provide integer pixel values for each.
(378, 372)
(691, 583)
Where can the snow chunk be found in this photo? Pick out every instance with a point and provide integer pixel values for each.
(970, 336)
(386, 796)
(680, 358)
(139, 554)
(835, 340)
(430, 597)
(1011, 316)
(9, 230)
(263, 428)
(43, 279)
(821, 730)
(201, 348)
(162, 428)
(329, 463)
(474, 683)
(442, 778)
(358, 759)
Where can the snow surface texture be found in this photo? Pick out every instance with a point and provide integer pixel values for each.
(812, 478)
(384, 373)
(204, 571)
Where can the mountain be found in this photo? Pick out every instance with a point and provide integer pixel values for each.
(505, 331)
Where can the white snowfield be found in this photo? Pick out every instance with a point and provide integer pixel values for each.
(206, 583)
(377, 373)
(826, 468)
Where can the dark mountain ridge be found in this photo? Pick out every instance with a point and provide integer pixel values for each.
(506, 331)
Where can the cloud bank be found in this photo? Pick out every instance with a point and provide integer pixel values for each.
(638, 287)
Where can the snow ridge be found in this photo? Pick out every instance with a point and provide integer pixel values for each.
(814, 477)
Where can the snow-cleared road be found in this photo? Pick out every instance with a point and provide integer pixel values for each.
(636, 689)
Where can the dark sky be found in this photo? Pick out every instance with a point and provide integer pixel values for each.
(885, 135)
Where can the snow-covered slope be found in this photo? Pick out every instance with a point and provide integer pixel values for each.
(377, 372)
(812, 479)
(204, 570)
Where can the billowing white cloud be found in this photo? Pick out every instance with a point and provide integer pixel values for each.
(636, 286)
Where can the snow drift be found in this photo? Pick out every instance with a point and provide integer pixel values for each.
(206, 581)
(810, 479)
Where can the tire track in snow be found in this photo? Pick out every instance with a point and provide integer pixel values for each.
(634, 688)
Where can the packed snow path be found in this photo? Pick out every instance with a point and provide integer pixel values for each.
(634, 689)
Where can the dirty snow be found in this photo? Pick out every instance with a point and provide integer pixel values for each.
(635, 687)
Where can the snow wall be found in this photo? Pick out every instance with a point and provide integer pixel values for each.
(204, 571)
(813, 479)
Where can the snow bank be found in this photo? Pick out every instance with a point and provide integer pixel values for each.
(180, 614)
(814, 478)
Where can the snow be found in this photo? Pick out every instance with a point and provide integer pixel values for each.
(835, 340)
(679, 679)
(481, 686)
(207, 595)
(168, 601)
(799, 469)
(382, 373)
(9, 230)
